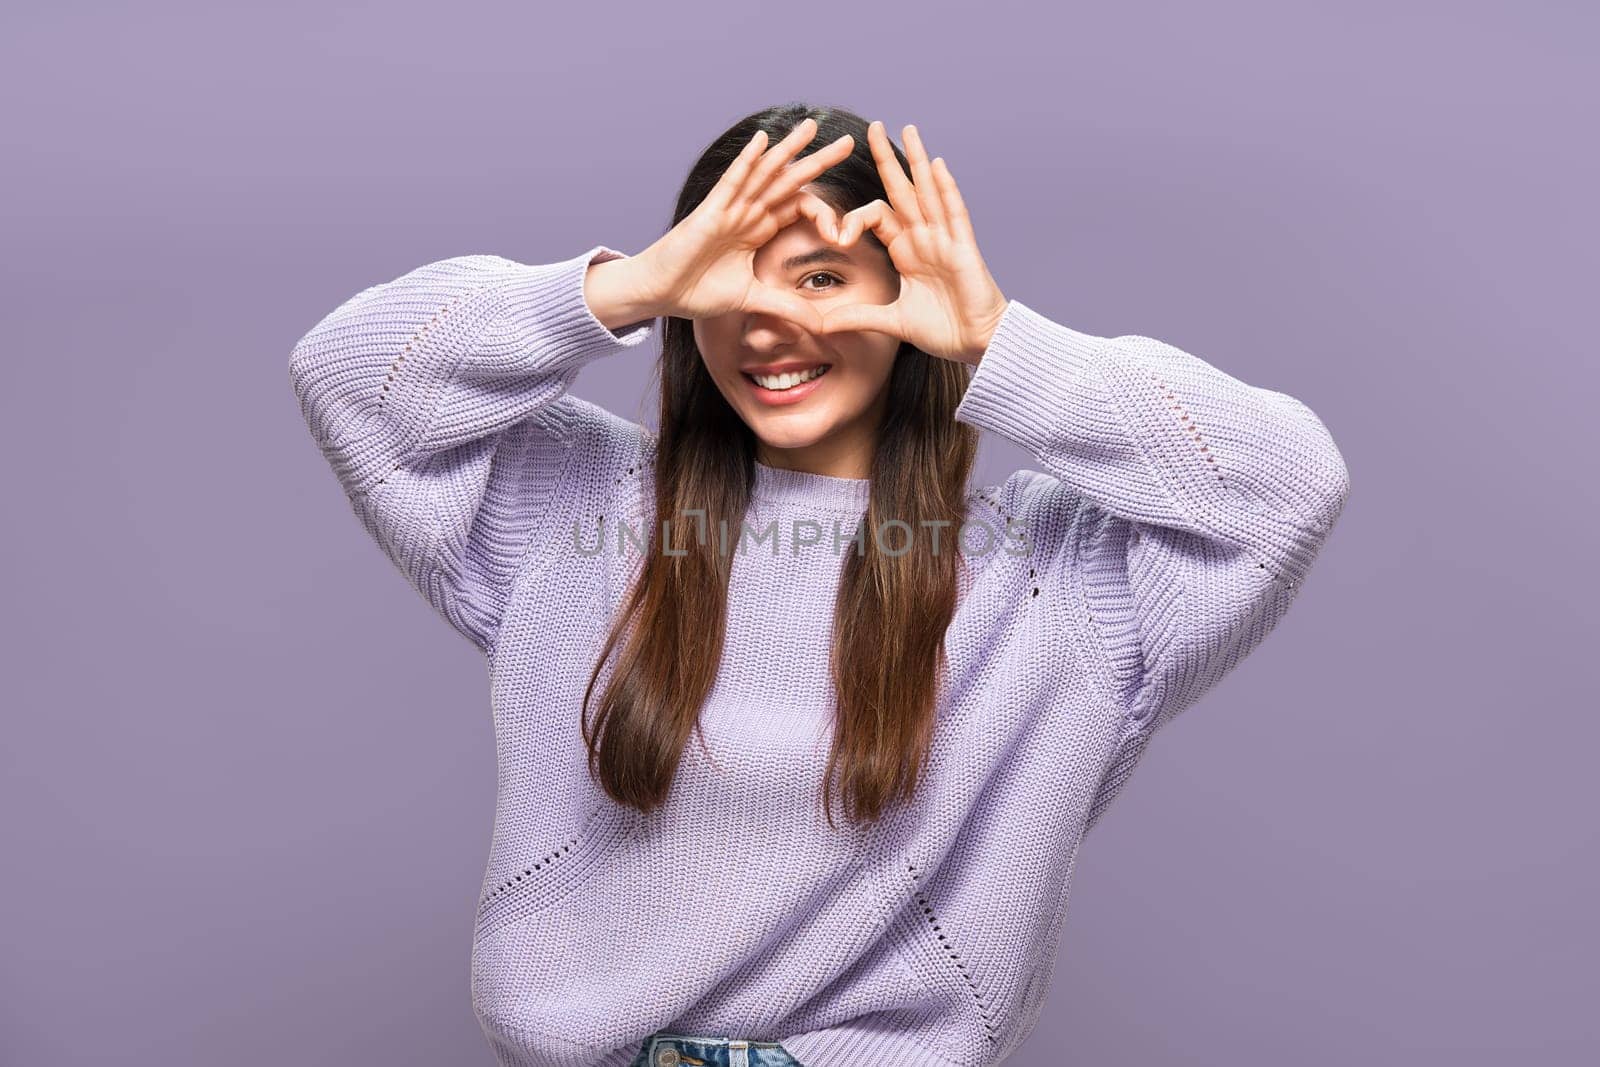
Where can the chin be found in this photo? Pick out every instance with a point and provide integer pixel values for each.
(788, 432)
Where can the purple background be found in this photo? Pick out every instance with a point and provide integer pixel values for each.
(247, 779)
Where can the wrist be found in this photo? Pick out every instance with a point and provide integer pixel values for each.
(985, 332)
(616, 292)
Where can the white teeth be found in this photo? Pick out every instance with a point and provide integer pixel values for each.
(787, 381)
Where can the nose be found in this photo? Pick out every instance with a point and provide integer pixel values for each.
(764, 332)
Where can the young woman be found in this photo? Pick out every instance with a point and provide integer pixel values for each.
(792, 571)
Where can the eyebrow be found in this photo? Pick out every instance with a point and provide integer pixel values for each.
(816, 255)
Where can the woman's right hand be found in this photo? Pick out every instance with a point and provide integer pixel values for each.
(705, 265)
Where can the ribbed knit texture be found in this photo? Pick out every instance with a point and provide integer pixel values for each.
(1173, 517)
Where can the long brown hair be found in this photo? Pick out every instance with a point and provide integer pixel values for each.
(893, 606)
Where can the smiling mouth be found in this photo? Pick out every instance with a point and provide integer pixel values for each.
(779, 383)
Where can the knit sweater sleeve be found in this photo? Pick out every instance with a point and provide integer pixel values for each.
(1192, 504)
(440, 401)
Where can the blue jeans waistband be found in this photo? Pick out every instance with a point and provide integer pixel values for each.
(664, 1049)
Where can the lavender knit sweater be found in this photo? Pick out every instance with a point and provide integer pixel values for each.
(1174, 517)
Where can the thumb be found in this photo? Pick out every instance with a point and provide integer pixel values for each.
(880, 318)
(767, 300)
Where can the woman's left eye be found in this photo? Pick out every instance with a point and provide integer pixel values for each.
(838, 281)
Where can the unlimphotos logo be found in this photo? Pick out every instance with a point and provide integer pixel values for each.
(893, 537)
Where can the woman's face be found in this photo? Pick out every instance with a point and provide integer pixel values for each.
(829, 423)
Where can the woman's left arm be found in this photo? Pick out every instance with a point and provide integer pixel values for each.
(1204, 500)
(1193, 503)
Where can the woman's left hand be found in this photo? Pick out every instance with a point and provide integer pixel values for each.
(949, 304)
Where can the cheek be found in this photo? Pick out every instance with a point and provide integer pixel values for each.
(871, 355)
(714, 340)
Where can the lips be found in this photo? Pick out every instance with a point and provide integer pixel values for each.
(783, 366)
(785, 383)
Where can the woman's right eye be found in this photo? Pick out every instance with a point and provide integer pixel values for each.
(838, 281)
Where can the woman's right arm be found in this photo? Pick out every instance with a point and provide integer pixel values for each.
(437, 399)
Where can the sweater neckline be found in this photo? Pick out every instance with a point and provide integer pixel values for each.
(785, 486)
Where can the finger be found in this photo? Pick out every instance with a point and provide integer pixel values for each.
(819, 211)
(765, 299)
(847, 318)
(955, 208)
(734, 177)
(922, 177)
(902, 197)
(875, 216)
(773, 159)
(803, 171)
